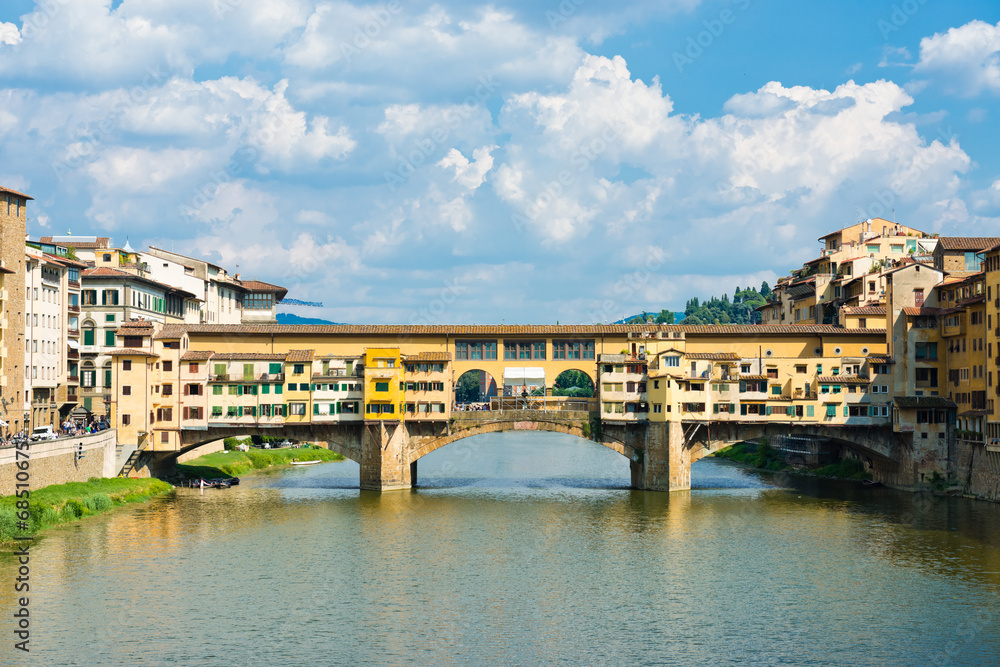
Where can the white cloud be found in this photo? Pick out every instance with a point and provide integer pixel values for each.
(964, 60)
(9, 34)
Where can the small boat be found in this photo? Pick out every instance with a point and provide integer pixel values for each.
(305, 463)
(871, 482)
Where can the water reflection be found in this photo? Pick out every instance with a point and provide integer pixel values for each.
(523, 549)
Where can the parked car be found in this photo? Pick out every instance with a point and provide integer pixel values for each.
(43, 433)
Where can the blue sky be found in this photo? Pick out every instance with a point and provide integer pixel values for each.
(518, 162)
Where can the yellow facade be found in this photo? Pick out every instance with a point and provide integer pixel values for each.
(384, 386)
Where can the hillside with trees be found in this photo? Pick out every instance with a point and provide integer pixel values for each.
(740, 310)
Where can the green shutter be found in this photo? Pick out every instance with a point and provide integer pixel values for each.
(831, 411)
(769, 411)
(220, 369)
(88, 337)
(732, 408)
(274, 369)
(809, 411)
(315, 408)
(715, 408)
(279, 388)
(109, 338)
(107, 378)
(265, 389)
(217, 390)
(248, 371)
(339, 407)
(846, 412)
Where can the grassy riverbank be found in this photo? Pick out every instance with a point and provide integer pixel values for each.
(765, 457)
(236, 463)
(761, 456)
(64, 503)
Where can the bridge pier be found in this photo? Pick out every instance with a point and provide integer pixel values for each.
(664, 463)
(385, 464)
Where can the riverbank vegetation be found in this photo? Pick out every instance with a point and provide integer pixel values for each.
(761, 455)
(235, 463)
(64, 503)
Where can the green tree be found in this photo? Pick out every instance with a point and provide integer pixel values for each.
(467, 388)
(573, 383)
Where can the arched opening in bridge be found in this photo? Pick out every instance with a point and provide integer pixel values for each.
(573, 383)
(474, 387)
(514, 461)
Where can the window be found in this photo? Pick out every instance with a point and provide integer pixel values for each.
(168, 390)
(671, 362)
(168, 366)
(109, 297)
(217, 390)
(475, 349)
(801, 368)
(126, 420)
(523, 349)
(258, 301)
(126, 390)
(297, 409)
(89, 297)
(109, 338)
(568, 349)
(87, 379)
(925, 351)
(381, 386)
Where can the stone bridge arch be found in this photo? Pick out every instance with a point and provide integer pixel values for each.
(343, 439)
(501, 423)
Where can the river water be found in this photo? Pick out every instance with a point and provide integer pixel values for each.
(520, 549)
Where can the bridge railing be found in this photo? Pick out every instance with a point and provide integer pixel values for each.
(543, 403)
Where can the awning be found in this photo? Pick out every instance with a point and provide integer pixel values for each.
(73, 344)
(524, 375)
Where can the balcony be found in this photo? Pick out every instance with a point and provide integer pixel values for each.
(72, 398)
(73, 379)
(75, 333)
(74, 309)
(72, 354)
(239, 377)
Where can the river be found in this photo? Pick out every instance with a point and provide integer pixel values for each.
(520, 549)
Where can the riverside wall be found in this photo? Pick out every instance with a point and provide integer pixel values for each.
(55, 461)
(978, 470)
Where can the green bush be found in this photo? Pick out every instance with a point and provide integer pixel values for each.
(230, 444)
(8, 523)
(74, 509)
(100, 502)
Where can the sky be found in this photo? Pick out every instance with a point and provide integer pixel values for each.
(520, 162)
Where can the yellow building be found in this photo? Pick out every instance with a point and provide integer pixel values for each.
(384, 386)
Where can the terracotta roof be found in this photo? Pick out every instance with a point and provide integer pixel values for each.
(568, 330)
(913, 311)
(967, 242)
(300, 355)
(146, 326)
(15, 192)
(972, 413)
(755, 377)
(971, 300)
(131, 352)
(880, 359)
(842, 379)
(108, 272)
(197, 355)
(714, 356)
(428, 356)
(5, 270)
(102, 242)
(866, 310)
(171, 331)
(248, 356)
(923, 402)
(261, 286)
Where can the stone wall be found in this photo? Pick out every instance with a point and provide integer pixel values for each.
(55, 462)
(978, 471)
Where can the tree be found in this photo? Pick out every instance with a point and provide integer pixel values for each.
(573, 383)
(467, 389)
(765, 291)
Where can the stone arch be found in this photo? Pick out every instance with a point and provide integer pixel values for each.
(424, 447)
(337, 446)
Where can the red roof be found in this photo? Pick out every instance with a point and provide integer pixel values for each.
(967, 242)
(921, 312)
(15, 192)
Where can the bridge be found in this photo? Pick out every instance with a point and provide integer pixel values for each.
(385, 396)
(660, 454)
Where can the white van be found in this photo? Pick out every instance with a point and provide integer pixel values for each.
(43, 433)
